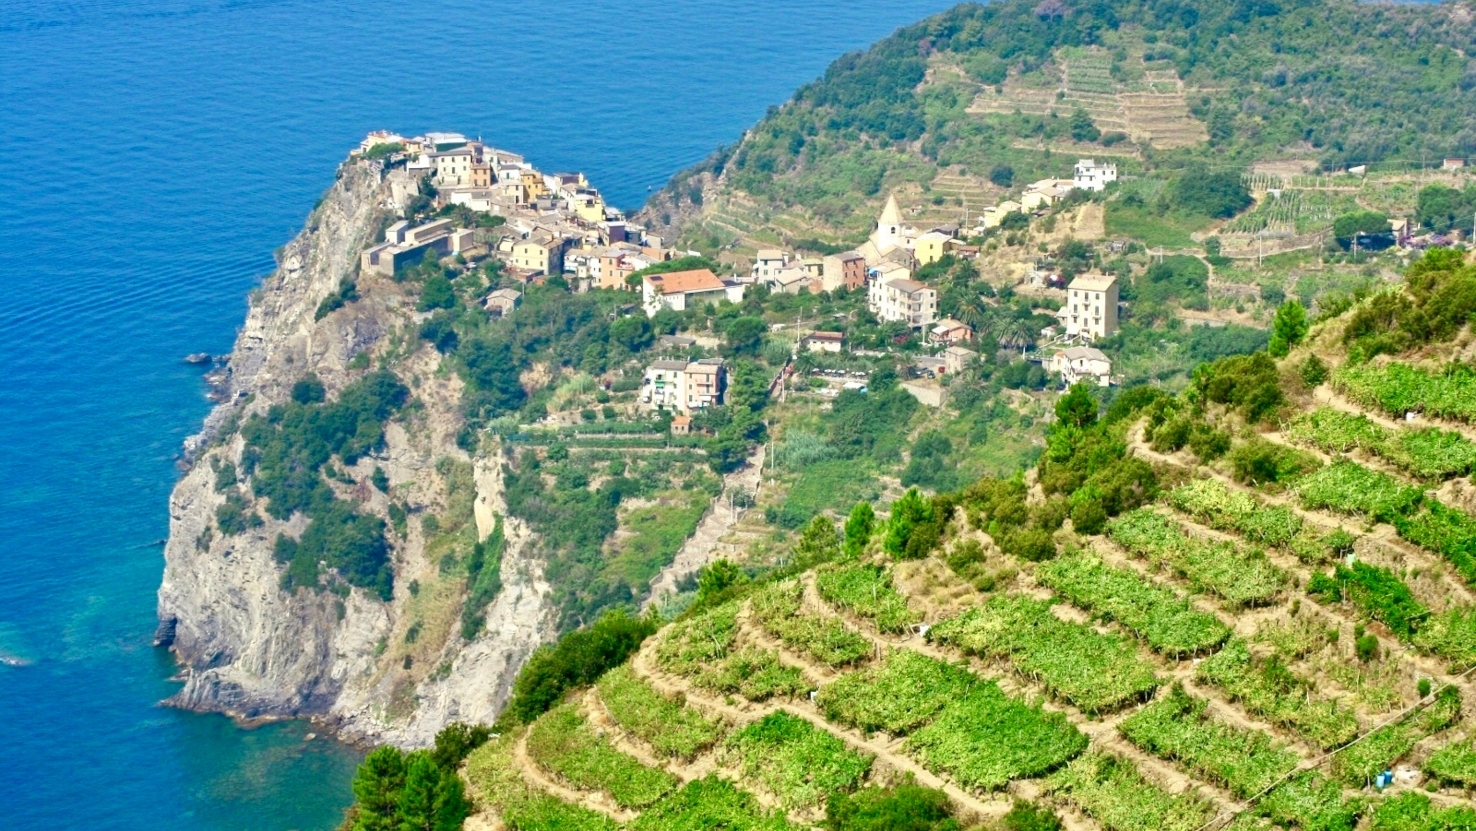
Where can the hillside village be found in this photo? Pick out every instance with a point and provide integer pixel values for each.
(538, 226)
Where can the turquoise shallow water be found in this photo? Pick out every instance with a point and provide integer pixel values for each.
(152, 154)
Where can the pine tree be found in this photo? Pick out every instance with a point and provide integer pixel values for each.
(908, 512)
(1287, 329)
(1077, 408)
(377, 787)
(819, 541)
(417, 808)
(859, 526)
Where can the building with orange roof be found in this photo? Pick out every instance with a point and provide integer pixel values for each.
(682, 290)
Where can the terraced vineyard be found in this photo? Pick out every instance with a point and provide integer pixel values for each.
(1221, 655)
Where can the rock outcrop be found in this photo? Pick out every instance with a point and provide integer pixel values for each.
(386, 671)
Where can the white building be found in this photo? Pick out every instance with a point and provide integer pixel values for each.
(454, 167)
(684, 386)
(1090, 311)
(766, 262)
(1082, 363)
(682, 290)
(903, 301)
(1045, 193)
(1094, 177)
(379, 137)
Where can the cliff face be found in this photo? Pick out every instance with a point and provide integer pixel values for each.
(386, 671)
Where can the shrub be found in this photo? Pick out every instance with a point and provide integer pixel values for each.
(903, 807)
(1249, 383)
(1313, 371)
(578, 658)
(1088, 517)
(1023, 816)
(1261, 462)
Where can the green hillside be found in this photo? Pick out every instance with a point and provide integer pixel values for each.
(1232, 608)
(1155, 85)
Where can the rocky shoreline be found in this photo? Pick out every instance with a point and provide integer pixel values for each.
(252, 650)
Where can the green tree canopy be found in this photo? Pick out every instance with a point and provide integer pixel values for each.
(1082, 127)
(1219, 194)
(908, 513)
(1078, 407)
(1288, 328)
(859, 526)
(377, 787)
(904, 807)
(745, 335)
(1359, 223)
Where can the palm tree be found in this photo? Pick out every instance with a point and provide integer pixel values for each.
(974, 311)
(1014, 333)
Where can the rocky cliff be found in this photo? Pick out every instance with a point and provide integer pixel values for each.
(393, 670)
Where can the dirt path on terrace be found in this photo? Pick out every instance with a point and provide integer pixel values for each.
(887, 753)
(536, 778)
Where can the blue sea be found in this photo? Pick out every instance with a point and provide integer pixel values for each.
(153, 153)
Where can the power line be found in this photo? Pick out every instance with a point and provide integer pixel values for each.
(1318, 762)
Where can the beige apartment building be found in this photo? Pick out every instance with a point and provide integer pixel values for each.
(903, 301)
(684, 386)
(1090, 311)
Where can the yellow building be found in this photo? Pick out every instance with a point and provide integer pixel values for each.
(588, 207)
(539, 252)
(931, 247)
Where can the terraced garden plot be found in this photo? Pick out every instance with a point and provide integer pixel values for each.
(1311, 802)
(1444, 530)
(544, 812)
(1162, 618)
(987, 739)
(1451, 635)
(867, 591)
(669, 727)
(795, 760)
(1176, 727)
(755, 674)
(1429, 453)
(704, 805)
(497, 783)
(1410, 811)
(562, 743)
(1455, 763)
(1356, 766)
(696, 644)
(1398, 388)
(899, 694)
(1377, 592)
(1266, 688)
(1243, 578)
(1223, 508)
(1111, 791)
(825, 639)
(1094, 671)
